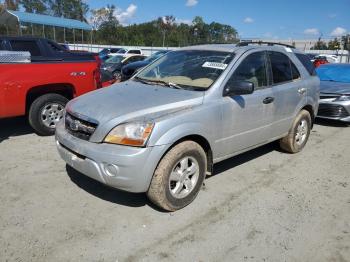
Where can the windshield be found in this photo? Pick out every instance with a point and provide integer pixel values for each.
(115, 59)
(155, 56)
(121, 51)
(192, 69)
(337, 73)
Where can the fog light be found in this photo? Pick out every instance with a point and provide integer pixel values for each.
(111, 170)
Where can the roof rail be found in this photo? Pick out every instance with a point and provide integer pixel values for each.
(246, 43)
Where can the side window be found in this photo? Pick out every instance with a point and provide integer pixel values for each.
(252, 69)
(305, 60)
(295, 71)
(280, 66)
(26, 45)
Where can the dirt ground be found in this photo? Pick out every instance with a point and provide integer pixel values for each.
(264, 205)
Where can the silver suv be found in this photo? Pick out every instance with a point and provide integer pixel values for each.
(162, 131)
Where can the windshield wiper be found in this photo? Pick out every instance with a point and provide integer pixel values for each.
(158, 82)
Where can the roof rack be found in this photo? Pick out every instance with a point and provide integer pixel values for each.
(246, 43)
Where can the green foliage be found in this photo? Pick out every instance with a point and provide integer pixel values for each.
(73, 9)
(335, 44)
(346, 41)
(162, 31)
(11, 4)
(35, 6)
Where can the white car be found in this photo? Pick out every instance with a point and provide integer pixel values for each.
(127, 52)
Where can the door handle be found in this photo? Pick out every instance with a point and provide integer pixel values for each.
(268, 100)
(302, 90)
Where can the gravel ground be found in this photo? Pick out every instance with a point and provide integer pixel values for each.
(264, 205)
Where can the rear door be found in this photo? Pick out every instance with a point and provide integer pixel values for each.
(288, 90)
(247, 118)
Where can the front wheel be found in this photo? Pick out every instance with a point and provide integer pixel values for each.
(45, 112)
(179, 176)
(298, 134)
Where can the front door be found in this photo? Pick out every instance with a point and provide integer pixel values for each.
(247, 118)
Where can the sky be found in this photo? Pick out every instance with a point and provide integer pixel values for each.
(272, 19)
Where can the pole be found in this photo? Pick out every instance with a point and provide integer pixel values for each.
(7, 29)
(54, 33)
(348, 44)
(31, 25)
(82, 36)
(74, 37)
(43, 30)
(64, 35)
(91, 40)
(20, 29)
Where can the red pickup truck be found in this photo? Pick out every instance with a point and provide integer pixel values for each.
(40, 89)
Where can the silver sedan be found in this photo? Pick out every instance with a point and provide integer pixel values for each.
(334, 92)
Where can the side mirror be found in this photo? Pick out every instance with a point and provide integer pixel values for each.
(238, 88)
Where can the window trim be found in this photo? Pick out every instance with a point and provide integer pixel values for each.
(244, 56)
(284, 82)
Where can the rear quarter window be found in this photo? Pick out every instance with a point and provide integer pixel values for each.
(26, 45)
(305, 60)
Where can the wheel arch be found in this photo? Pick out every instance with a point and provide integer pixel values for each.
(202, 141)
(65, 89)
(311, 111)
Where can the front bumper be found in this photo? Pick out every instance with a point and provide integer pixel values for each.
(123, 167)
(334, 110)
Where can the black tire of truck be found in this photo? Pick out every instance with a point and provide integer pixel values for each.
(44, 113)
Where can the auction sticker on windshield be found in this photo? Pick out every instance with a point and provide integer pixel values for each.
(215, 65)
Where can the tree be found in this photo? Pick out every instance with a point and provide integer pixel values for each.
(106, 24)
(99, 16)
(34, 6)
(73, 9)
(346, 42)
(334, 44)
(165, 24)
(320, 45)
(11, 4)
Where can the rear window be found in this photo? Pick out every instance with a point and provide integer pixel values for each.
(134, 52)
(26, 45)
(305, 60)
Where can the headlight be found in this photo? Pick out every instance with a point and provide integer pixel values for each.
(343, 98)
(130, 134)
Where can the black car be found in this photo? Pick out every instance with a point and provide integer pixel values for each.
(114, 65)
(130, 69)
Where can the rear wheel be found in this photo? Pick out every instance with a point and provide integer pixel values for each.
(45, 112)
(298, 134)
(178, 177)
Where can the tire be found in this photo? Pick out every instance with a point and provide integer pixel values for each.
(45, 112)
(163, 187)
(298, 134)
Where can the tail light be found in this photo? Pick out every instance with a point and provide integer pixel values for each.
(97, 72)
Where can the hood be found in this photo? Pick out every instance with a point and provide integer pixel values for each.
(330, 87)
(131, 100)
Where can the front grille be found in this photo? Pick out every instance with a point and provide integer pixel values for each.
(329, 110)
(328, 96)
(79, 128)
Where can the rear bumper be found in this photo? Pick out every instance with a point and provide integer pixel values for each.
(126, 168)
